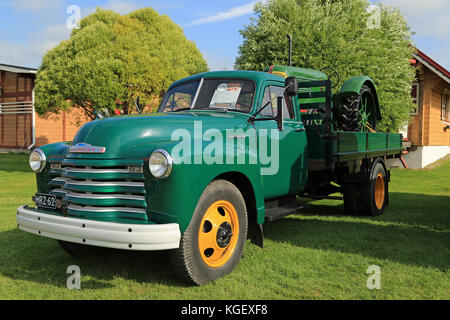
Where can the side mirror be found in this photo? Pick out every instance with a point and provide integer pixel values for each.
(279, 117)
(291, 85)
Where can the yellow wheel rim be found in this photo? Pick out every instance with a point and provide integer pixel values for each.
(379, 191)
(218, 233)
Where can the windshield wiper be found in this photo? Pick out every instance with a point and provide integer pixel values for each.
(208, 108)
(182, 109)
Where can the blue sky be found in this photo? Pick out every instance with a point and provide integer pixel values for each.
(28, 28)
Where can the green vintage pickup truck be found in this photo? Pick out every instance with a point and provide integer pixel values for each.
(225, 153)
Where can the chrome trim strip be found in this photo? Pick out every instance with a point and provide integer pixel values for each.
(61, 179)
(86, 148)
(106, 184)
(59, 191)
(105, 196)
(106, 209)
(82, 170)
(197, 93)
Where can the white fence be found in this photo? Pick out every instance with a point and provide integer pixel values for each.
(23, 107)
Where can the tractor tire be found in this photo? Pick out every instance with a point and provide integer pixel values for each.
(375, 194)
(350, 114)
(213, 243)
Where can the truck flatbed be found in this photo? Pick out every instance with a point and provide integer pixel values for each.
(328, 147)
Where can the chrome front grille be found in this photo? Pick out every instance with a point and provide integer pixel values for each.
(101, 192)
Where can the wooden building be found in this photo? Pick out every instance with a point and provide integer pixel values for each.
(429, 130)
(20, 126)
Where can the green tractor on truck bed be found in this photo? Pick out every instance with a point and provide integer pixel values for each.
(226, 153)
(355, 107)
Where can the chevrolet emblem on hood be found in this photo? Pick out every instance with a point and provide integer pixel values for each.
(86, 148)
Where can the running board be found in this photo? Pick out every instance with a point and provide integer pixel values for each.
(281, 212)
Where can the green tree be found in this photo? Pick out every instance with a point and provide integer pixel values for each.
(112, 59)
(336, 34)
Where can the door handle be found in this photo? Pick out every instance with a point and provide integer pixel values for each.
(300, 129)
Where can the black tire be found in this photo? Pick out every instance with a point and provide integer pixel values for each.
(349, 118)
(75, 249)
(352, 195)
(375, 194)
(188, 261)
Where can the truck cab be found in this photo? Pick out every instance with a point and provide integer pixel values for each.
(224, 153)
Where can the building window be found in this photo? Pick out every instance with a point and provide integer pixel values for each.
(445, 111)
(415, 98)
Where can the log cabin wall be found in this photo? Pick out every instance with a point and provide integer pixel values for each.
(15, 113)
(16, 123)
(427, 128)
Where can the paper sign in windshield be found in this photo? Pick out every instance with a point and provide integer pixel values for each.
(226, 95)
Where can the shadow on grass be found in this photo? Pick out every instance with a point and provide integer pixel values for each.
(33, 258)
(419, 234)
(406, 208)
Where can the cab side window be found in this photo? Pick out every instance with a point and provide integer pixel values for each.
(270, 96)
(177, 101)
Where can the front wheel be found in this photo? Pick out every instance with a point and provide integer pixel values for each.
(213, 243)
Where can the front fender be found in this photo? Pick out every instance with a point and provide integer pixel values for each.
(53, 152)
(173, 200)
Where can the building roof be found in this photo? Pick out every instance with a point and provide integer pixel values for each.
(432, 65)
(17, 69)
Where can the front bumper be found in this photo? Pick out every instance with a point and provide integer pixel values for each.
(99, 233)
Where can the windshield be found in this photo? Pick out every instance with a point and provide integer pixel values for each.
(179, 97)
(226, 94)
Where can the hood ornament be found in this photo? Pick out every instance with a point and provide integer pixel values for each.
(86, 148)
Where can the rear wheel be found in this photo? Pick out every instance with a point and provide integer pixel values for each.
(213, 243)
(374, 195)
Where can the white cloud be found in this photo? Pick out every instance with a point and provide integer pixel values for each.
(30, 54)
(47, 36)
(429, 18)
(226, 15)
(20, 54)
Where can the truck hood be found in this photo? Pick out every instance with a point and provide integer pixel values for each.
(122, 136)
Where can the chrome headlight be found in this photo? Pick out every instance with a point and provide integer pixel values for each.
(37, 160)
(160, 163)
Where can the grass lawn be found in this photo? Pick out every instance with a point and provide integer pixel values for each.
(319, 254)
